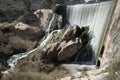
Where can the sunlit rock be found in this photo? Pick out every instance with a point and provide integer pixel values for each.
(69, 49)
(72, 32)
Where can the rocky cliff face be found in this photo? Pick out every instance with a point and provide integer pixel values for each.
(112, 39)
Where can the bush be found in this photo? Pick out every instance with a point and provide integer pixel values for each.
(27, 4)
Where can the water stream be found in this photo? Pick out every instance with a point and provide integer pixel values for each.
(50, 23)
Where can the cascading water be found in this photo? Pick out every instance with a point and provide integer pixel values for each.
(13, 60)
(50, 23)
(97, 17)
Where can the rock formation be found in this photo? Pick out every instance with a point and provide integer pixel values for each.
(58, 49)
(45, 15)
(23, 33)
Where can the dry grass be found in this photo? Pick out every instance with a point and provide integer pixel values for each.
(19, 43)
(54, 75)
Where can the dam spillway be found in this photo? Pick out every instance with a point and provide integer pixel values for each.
(96, 16)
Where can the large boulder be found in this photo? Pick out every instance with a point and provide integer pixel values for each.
(60, 51)
(67, 50)
(63, 45)
(45, 16)
(72, 32)
(50, 52)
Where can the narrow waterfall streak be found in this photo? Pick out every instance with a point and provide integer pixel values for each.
(13, 60)
(50, 23)
(48, 38)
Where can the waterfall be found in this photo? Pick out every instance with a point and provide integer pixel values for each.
(50, 23)
(96, 16)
